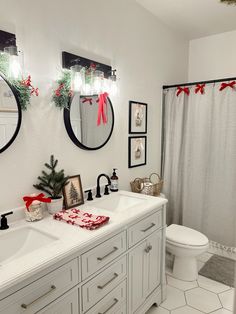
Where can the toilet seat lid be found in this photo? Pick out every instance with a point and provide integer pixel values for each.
(186, 236)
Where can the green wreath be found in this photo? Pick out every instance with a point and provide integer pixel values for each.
(63, 93)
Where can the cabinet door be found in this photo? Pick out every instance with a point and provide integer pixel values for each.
(66, 304)
(137, 273)
(153, 254)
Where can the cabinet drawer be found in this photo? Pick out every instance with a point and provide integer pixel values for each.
(66, 304)
(143, 228)
(41, 292)
(98, 287)
(102, 254)
(112, 303)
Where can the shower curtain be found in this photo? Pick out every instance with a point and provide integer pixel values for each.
(199, 159)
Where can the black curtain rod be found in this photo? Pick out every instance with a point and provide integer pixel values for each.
(201, 82)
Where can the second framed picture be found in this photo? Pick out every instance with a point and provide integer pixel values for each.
(73, 192)
(137, 117)
(137, 151)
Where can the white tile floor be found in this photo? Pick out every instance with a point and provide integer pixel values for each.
(201, 296)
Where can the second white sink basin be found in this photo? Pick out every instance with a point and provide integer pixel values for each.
(118, 202)
(19, 242)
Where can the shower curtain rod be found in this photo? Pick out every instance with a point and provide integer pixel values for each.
(200, 82)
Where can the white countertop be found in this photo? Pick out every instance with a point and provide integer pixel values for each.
(71, 239)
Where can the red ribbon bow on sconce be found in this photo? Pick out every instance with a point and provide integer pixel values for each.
(224, 85)
(182, 89)
(40, 197)
(86, 99)
(102, 108)
(200, 88)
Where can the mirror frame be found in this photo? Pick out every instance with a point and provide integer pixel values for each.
(70, 131)
(14, 91)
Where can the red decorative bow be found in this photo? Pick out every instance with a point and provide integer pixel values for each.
(34, 91)
(87, 99)
(102, 108)
(224, 85)
(182, 89)
(200, 88)
(28, 84)
(41, 197)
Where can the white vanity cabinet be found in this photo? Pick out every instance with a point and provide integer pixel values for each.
(122, 273)
(144, 270)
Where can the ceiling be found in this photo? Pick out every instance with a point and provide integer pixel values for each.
(194, 18)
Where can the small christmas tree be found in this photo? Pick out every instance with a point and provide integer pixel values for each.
(53, 182)
(74, 195)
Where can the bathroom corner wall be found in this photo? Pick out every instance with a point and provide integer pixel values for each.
(146, 55)
(212, 57)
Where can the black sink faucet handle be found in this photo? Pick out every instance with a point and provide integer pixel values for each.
(4, 224)
(106, 191)
(90, 195)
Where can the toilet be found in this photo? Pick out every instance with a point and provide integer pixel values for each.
(185, 244)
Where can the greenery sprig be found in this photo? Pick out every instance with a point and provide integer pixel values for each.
(23, 87)
(61, 96)
(52, 182)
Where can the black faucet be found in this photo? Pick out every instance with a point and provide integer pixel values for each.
(98, 194)
(4, 224)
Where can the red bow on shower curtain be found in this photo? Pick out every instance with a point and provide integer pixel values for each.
(200, 88)
(102, 108)
(182, 89)
(224, 85)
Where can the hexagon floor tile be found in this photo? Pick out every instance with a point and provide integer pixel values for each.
(203, 300)
(227, 299)
(186, 310)
(212, 285)
(180, 284)
(175, 299)
(222, 311)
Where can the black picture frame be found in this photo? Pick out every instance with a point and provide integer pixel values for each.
(135, 155)
(137, 126)
(77, 189)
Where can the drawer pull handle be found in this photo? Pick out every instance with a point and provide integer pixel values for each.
(110, 307)
(26, 306)
(107, 283)
(148, 249)
(148, 228)
(108, 254)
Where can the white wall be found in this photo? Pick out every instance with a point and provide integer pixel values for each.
(212, 57)
(146, 55)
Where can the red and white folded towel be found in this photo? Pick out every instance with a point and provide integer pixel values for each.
(80, 218)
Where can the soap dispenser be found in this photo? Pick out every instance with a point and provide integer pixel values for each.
(114, 181)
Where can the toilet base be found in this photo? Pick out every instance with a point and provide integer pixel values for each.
(185, 268)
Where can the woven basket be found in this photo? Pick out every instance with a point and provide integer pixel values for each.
(147, 186)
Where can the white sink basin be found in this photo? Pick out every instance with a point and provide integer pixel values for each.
(118, 202)
(19, 242)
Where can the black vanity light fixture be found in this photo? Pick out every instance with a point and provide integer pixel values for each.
(88, 76)
(9, 47)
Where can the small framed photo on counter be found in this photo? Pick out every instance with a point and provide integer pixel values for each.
(73, 192)
(137, 150)
(137, 117)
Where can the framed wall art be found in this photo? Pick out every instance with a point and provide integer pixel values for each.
(137, 117)
(137, 151)
(73, 192)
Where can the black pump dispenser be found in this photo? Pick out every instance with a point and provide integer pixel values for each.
(114, 181)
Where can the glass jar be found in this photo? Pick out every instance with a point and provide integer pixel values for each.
(35, 211)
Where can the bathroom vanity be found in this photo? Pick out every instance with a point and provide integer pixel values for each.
(51, 267)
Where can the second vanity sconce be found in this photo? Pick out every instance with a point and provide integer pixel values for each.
(89, 77)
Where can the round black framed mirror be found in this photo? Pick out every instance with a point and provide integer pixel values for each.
(88, 123)
(10, 114)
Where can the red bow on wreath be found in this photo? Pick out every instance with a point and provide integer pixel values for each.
(182, 89)
(224, 85)
(40, 197)
(200, 88)
(27, 83)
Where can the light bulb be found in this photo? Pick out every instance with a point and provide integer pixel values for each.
(113, 85)
(98, 81)
(77, 77)
(14, 67)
